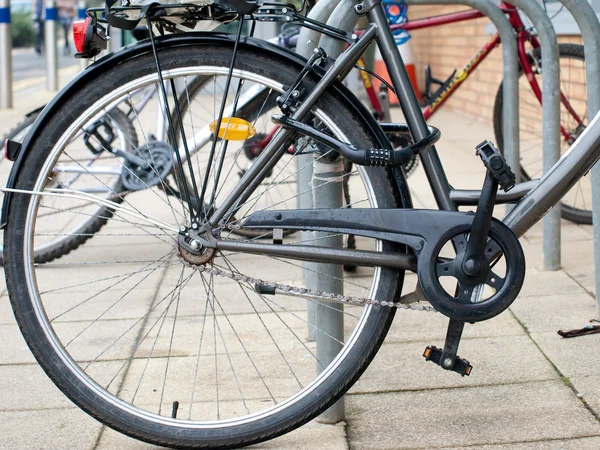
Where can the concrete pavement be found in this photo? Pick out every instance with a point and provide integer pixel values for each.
(530, 389)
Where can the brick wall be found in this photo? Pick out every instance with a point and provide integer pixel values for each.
(449, 47)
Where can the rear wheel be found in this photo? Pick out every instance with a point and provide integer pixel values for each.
(166, 349)
(576, 205)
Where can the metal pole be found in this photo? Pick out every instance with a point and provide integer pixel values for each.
(328, 187)
(588, 23)
(550, 120)
(510, 83)
(5, 56)
(307, 42)
(116, 39)
(51, 45)
(81, 15)
(328, 179)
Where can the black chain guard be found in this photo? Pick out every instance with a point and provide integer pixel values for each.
(426, 232)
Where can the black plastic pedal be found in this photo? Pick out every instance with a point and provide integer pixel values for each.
(461, 366)
(496, 164)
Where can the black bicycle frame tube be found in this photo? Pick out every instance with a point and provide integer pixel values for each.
(470, 197)
(410, 107)
(276, 148)
(323, 254)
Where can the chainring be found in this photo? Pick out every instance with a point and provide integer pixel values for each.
(478, 298)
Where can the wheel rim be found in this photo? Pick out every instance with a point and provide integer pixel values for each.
(34, 279)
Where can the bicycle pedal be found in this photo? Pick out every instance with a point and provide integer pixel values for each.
(495, 164)
(434, 354)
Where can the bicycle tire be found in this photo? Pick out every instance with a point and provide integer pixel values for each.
(383, 189)
(568, 212)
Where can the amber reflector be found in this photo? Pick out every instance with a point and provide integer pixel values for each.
(233, 129)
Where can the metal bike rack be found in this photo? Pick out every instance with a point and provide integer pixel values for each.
(50, 37)
(588, 23)
(550, 107)
(328, 176)
(5, 56)
(341, 19)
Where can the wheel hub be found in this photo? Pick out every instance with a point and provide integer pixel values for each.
(192, 251)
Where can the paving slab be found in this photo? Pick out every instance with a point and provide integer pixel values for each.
(26, 387)
(589, 389)
(538, 283)
(471, 416)
(574, 357)
(554, 312)
(411, 326)
(586, 443)
(13, 350)
(48, 429)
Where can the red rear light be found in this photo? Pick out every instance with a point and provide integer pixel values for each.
(79, 29)
(5, 148)
(89, 38)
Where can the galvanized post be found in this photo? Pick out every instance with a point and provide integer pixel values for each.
(329, 193)
(550, 120)
(50, 28)
(5, 56)
(116, 39)
(328, 187)
(589, 25)
(307, 42)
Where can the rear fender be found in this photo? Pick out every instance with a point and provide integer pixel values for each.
(137, 49)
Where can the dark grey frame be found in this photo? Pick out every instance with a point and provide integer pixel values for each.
(533, 198)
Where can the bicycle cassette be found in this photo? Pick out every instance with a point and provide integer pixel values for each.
(156, 163)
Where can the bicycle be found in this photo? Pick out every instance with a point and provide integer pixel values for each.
(181, 342)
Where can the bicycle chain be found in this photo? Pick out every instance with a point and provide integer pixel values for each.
(304, 292)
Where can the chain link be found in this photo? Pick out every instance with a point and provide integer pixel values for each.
(304, 292)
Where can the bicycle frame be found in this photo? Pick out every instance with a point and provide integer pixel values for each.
(534, 198)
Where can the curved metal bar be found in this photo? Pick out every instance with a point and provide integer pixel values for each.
(307, 43)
